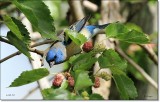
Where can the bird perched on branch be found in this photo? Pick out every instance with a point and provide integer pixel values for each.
(61, 50)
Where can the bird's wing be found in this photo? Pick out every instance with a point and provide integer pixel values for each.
(77, 26)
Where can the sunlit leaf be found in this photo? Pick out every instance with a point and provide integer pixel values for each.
(39, 16)
(18, 36)
(77, 38)
(82, 80)
(12, 26)
(27, 77)
(122, 33)
(134, 36)
(19, 44)
(110, 59)
(58, 94)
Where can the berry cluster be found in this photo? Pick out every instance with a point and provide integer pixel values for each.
(57, 81)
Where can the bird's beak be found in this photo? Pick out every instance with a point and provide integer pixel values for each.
(51, 64)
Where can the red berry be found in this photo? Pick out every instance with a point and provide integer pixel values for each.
(96, 82)
(58, 80)
(71, 81)
(87, 46)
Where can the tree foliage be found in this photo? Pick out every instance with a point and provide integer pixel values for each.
(78, 65)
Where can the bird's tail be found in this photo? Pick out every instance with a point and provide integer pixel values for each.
(103, 26)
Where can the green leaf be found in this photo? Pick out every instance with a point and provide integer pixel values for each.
(124, 84)
(18, 36)
(27, 77)
(122, 33)
(115, 29)
(17, 28)
(58, 94)
(82, 80)
(64, 84)
(134, 36)
(76, 58)
(131, 26)
(85, 64)
(19, 44)
(96, 96)
(12, 26)
(62, 66)
(82, 61)
(110, 59)
(38, 15)
(77, 38)
(23, 30)
(51, 94)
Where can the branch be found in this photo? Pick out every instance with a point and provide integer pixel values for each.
(30, 92)
(10, 56)
(89, 5)
(32, 50)
(137, 67)
(76, 9)
(151, 53)
(42, 43)
(4, 40)
(34, 89)
(36, 51)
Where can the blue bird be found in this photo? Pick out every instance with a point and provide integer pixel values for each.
(61, 50)
(57, 52)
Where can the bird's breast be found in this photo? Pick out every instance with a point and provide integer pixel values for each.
(86, 33)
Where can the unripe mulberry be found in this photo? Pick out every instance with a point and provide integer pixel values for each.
(67, 74)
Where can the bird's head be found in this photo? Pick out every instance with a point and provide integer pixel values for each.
(55, 56)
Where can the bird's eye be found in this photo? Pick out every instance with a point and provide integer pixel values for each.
(55, 56)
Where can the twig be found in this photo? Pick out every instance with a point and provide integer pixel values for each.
(137, 67)
(34, 89)
(30, 92)
(34, 45)
(42, 43)
(36, 51)
(151, 53)
(76, 9)
(4, 40)
(32, 50)
(89, 5)
(10, 56)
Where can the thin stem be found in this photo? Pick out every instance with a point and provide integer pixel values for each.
(4, 40)
(97, 71)
(32, 50)
(137, 67)
(151, 53)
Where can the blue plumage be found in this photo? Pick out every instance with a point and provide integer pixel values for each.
(59, 56)
(59, 51)
(56, 54)
(90, 28)
(51, 55)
